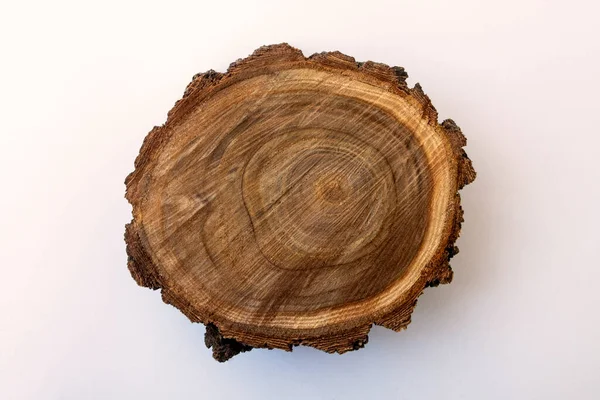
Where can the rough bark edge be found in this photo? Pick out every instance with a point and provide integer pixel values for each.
(139, 263)
(227, 342)
(223, 348)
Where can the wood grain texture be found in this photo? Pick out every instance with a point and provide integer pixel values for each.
(297, 200)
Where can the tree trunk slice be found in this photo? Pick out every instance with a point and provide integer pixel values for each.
(297, 200)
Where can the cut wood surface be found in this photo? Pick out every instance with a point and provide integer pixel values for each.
(296, 200)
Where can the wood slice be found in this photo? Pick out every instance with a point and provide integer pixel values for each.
(297, 200)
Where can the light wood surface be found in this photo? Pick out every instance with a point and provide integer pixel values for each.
(297, 200)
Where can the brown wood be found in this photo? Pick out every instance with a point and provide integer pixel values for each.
(297, 200)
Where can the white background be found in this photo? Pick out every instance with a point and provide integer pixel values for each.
(81, 83)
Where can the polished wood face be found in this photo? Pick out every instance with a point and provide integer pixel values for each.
(297, 200)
